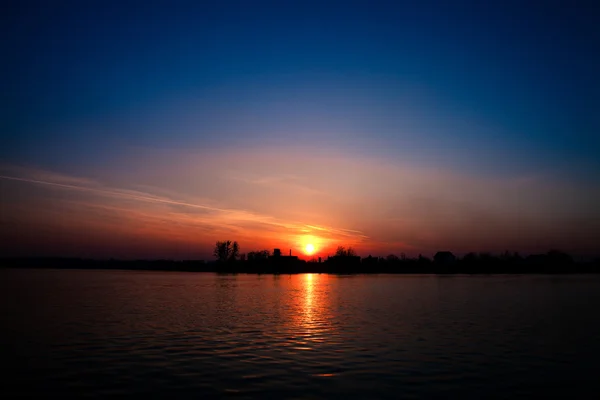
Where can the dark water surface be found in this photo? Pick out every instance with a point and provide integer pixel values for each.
(300, 336)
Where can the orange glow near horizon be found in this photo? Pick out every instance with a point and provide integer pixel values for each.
(158, 219)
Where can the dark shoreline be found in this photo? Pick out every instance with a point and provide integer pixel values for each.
(400, 267)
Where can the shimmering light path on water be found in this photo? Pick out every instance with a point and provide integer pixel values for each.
(299, 336)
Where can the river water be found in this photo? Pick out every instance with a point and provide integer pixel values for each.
(200, 335)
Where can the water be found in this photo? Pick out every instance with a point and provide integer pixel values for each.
(301, 336)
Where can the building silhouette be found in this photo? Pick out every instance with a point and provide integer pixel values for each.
(278, 257)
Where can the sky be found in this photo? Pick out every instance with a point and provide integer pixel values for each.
(153, 129)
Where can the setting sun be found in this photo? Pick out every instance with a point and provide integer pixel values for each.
(309, 249)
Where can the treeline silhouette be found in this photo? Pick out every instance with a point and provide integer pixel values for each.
(228, 259)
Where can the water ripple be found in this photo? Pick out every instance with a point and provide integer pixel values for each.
(103, 333)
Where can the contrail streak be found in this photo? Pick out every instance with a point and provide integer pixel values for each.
(125, 195)
(115, 193)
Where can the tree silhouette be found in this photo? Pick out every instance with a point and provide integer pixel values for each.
(235, 251)
(341, 251)
(392, 258)
(259, 255)
(226, 251)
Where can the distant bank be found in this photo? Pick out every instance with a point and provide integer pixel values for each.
(540, 264)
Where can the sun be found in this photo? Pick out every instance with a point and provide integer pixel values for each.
(309, 249)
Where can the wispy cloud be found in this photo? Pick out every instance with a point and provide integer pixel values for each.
(179, 212)
(282, 181)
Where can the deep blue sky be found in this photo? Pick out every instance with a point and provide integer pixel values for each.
(525, 74)
(505, 89)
